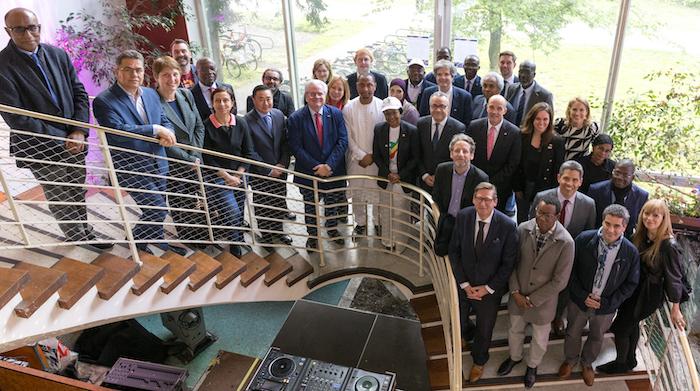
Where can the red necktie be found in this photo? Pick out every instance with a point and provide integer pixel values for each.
(319, 128)
(490, 142)
(562, 215)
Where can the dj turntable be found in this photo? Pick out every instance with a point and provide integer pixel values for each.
(284, 372)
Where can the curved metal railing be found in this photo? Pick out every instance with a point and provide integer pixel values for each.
(199, 202)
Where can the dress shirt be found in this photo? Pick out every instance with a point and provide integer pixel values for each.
(498, 130)
(542, 237)
(207, 93)
(569, 207)
(138, 104)
(509, 80)
(412, 91)
(487, 224)
(449, 99)
(469, 82)
(313, 117)
(456, 193)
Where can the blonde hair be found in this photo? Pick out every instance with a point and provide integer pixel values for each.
(325, 63)
(363, 51)
(346, 88)
(651, 255)
(583, 101)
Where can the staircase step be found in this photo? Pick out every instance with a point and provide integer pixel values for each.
(180, 268)
(81, 277)
(439, 374)
(426, 308)
(152, 269)
(256, 266)
(11, 281)
(300, 269)
(43, 283)
(207, 268)
(279, 268)
(118, 271)
(233, 267)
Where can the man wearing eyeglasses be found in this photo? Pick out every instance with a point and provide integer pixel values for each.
(281, 101)
(40, 77)
(620, 190)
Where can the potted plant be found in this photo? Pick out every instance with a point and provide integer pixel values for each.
(684, 207)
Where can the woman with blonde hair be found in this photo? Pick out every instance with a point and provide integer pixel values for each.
(338, 92)
(660, 272)
(576, 128)
(322, 70)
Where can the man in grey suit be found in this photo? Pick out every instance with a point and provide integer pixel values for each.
(268, 128)
(526, 93)
(577, 215)
(491, 84)
(546, 257)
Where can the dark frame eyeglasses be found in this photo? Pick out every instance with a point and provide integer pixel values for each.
(32, 28)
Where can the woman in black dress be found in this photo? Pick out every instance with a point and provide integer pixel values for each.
(660, 272)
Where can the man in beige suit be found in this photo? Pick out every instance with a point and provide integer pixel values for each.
(546, 258)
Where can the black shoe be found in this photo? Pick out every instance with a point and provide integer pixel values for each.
(613, 367)
(378, 230)
(178, 250)
(286, 239)
(333, 233)
(144, 247)
(312, 244)
(507, 366)
(359, 230)
(102, 246)
(290, 216)
(235, 250)
(530, 377)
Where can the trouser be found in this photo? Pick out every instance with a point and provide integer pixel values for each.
(195, 214)
(597, 326)
(393, 214)
(329, 198)
(269, 194)
(486, 311)
(538, 344)
(146, 202)
(223, 206)
(626, 345)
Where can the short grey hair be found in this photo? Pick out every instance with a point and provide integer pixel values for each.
(463, 137)
(445, 64)
(438, 94)
(571, 165)
(486, 186)
(617, 210)
(498, 77)
(129, 54)
(318, 83)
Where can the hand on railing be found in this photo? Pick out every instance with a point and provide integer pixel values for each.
(677, 316)
(165, 136)
(76, 142)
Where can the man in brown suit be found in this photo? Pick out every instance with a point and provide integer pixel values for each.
(546, 258)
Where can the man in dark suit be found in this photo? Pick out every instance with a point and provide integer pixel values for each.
(506, 65)
(206, 71)
(491, 84)
(363, 60)
(129, 107)
(444, 53)
(470, 82)
(620, 190)
(526, 93)
(497, 148)
(395, 152)
(41, 78)
(434, 135)
(605, 274)
(454, 187)
(460, 101)
(416, 83)
(268, 128)
(180, 51)
(318, 139)
(281, 100)
(483, 251)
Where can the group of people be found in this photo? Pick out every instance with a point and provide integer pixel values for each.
(589, 243)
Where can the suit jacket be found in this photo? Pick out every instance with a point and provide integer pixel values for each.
(189, 131)
(506, 84)
(229, 139)
(505, 157)
(479, 109)
(304, 145)
(271, 147)
(541, 275)
(423, 86)
(582, 217)
(382, 90)
(551, 158)
(623, 279)
(407, 155)
(204, 109)
(461, 82)
(22, 85)
(429, 158)
(280, 100)
(460, 107)
(602, 194)
(113, 108)
(430, 76)
(539, 94)
(442, 191)
(495, 265)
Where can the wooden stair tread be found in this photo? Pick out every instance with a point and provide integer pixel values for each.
(43, 283)
(279, 268)
(300, 269)
(11, 281)
(118, 271)
(81, 277)
(180, 268)
(256, 266)
(232, 268)
(426, 308)
(206, 268)
(439, 374)
(152, 269)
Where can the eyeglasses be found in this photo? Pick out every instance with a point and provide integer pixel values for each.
(440, 107)
(271, 78)
(545, 215)
(483, 199)
(131, 70)
(32, 28)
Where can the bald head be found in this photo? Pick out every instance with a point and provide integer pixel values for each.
(23, 27)
(496, 109)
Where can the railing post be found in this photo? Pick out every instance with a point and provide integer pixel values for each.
(421, 235)
(118, 193)
(391, 217)
(205, 203)
(322, 260)
(13, 208)
(248, 206)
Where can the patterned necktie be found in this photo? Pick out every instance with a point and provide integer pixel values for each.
(541, 239)
(521, 108)
(490, 142)
(562, 215)
(436, 136)
(319, 128)
(54, 97)
(268, 123)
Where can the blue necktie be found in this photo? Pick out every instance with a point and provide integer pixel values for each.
(268, 122)
(46, 78)
(521, 107)
(436, 136)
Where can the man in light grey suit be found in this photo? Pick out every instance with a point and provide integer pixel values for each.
(526, 93)
(546, 257)
(577, 215)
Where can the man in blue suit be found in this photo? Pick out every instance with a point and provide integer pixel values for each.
(620, 190)
(491, 84)
(483, 251)
(470, 82)
(318, 139)
(129, 107)
(416, 83)
(460, 100)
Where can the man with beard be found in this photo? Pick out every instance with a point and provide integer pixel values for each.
(180, 51)
(281, 101)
